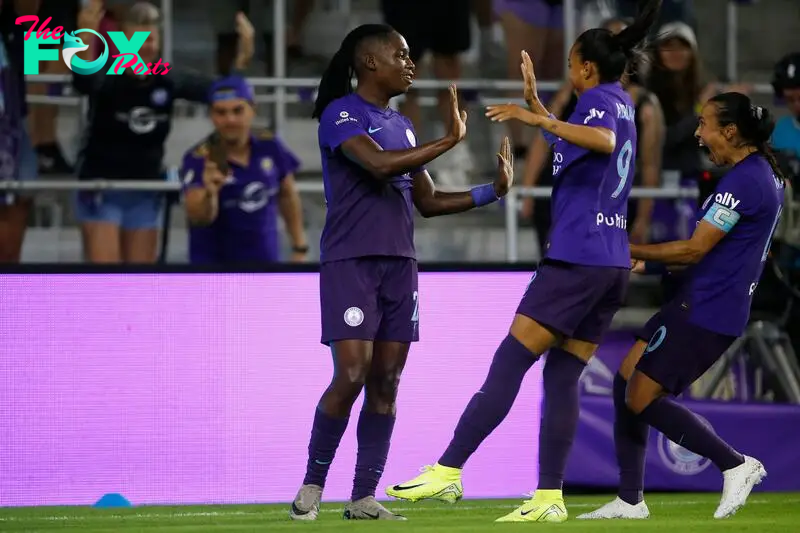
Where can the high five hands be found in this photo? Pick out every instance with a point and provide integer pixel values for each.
(536, 110)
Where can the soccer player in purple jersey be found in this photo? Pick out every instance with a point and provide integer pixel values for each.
(233, 210)
(725, 258)
(374, 176)
(582, 281)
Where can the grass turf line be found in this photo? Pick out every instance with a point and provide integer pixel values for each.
(687, 513)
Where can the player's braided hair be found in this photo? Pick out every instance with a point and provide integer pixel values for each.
(613, 54)
(337, 80)
(755, 124)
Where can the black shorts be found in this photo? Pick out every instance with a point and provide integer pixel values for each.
(439, 26)
(63, 12)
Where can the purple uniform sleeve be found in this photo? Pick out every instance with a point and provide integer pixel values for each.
(340, 121)
(191, 172)
(285, 160)
(735, 197)
(593, 110)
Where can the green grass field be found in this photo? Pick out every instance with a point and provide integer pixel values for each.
(678, 513)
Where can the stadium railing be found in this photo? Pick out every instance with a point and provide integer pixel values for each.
(281, 97)
(9, 187)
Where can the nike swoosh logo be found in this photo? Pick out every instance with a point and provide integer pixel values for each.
(322, 462)
(526, 513)
(373, 130)
(373, 516)
(297, 511)
(400, 487)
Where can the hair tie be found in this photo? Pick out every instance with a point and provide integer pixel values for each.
(757, 111)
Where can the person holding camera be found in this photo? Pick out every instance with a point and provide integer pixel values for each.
(237, 181)
(129, 120)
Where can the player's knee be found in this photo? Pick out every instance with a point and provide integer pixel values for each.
(381, 392)
(348, 385)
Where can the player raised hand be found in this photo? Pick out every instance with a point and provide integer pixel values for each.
(530, 93)
(458, 117)
(505, 169)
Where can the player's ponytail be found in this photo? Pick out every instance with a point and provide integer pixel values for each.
(755, 124)
(337, 79)
(631, 40)
(614, 54)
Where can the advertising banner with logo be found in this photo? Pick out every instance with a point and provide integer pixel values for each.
(763, 431)
(201, 388)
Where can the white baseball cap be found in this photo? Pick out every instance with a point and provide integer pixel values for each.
(677, 30)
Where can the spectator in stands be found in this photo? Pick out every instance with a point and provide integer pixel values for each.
(226, 41)
(650, 128)
(443, 29)
(492, 54)
(19, 157)
(130, 117)
(536, 26)
(236, 181)
(301, 9)
(677, 79)
(43, 118)
(786, 83)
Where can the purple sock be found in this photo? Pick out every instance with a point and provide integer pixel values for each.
(630, 442)
(682, 427)
(562, 372)
(491, 404)
(325, 437)
(374, 436)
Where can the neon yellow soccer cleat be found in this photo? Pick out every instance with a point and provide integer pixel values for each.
(544, 506)
(436, 482)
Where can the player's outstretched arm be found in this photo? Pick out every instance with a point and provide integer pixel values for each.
(686, 252)
(384, 164)
(592, 138)
(431, 203)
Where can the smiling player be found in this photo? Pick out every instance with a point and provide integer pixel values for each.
(374, 176)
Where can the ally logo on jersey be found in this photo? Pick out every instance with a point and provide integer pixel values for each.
(722, 214)
(624, 112)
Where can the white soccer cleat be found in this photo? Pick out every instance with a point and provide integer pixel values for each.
(737, 485)
(306, 504)
(618, 508)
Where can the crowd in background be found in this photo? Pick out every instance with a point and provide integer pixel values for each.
(667, 90)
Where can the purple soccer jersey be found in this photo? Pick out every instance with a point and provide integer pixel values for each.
(246, 228)
(365, 217)
(747, 205)
(590, 189)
